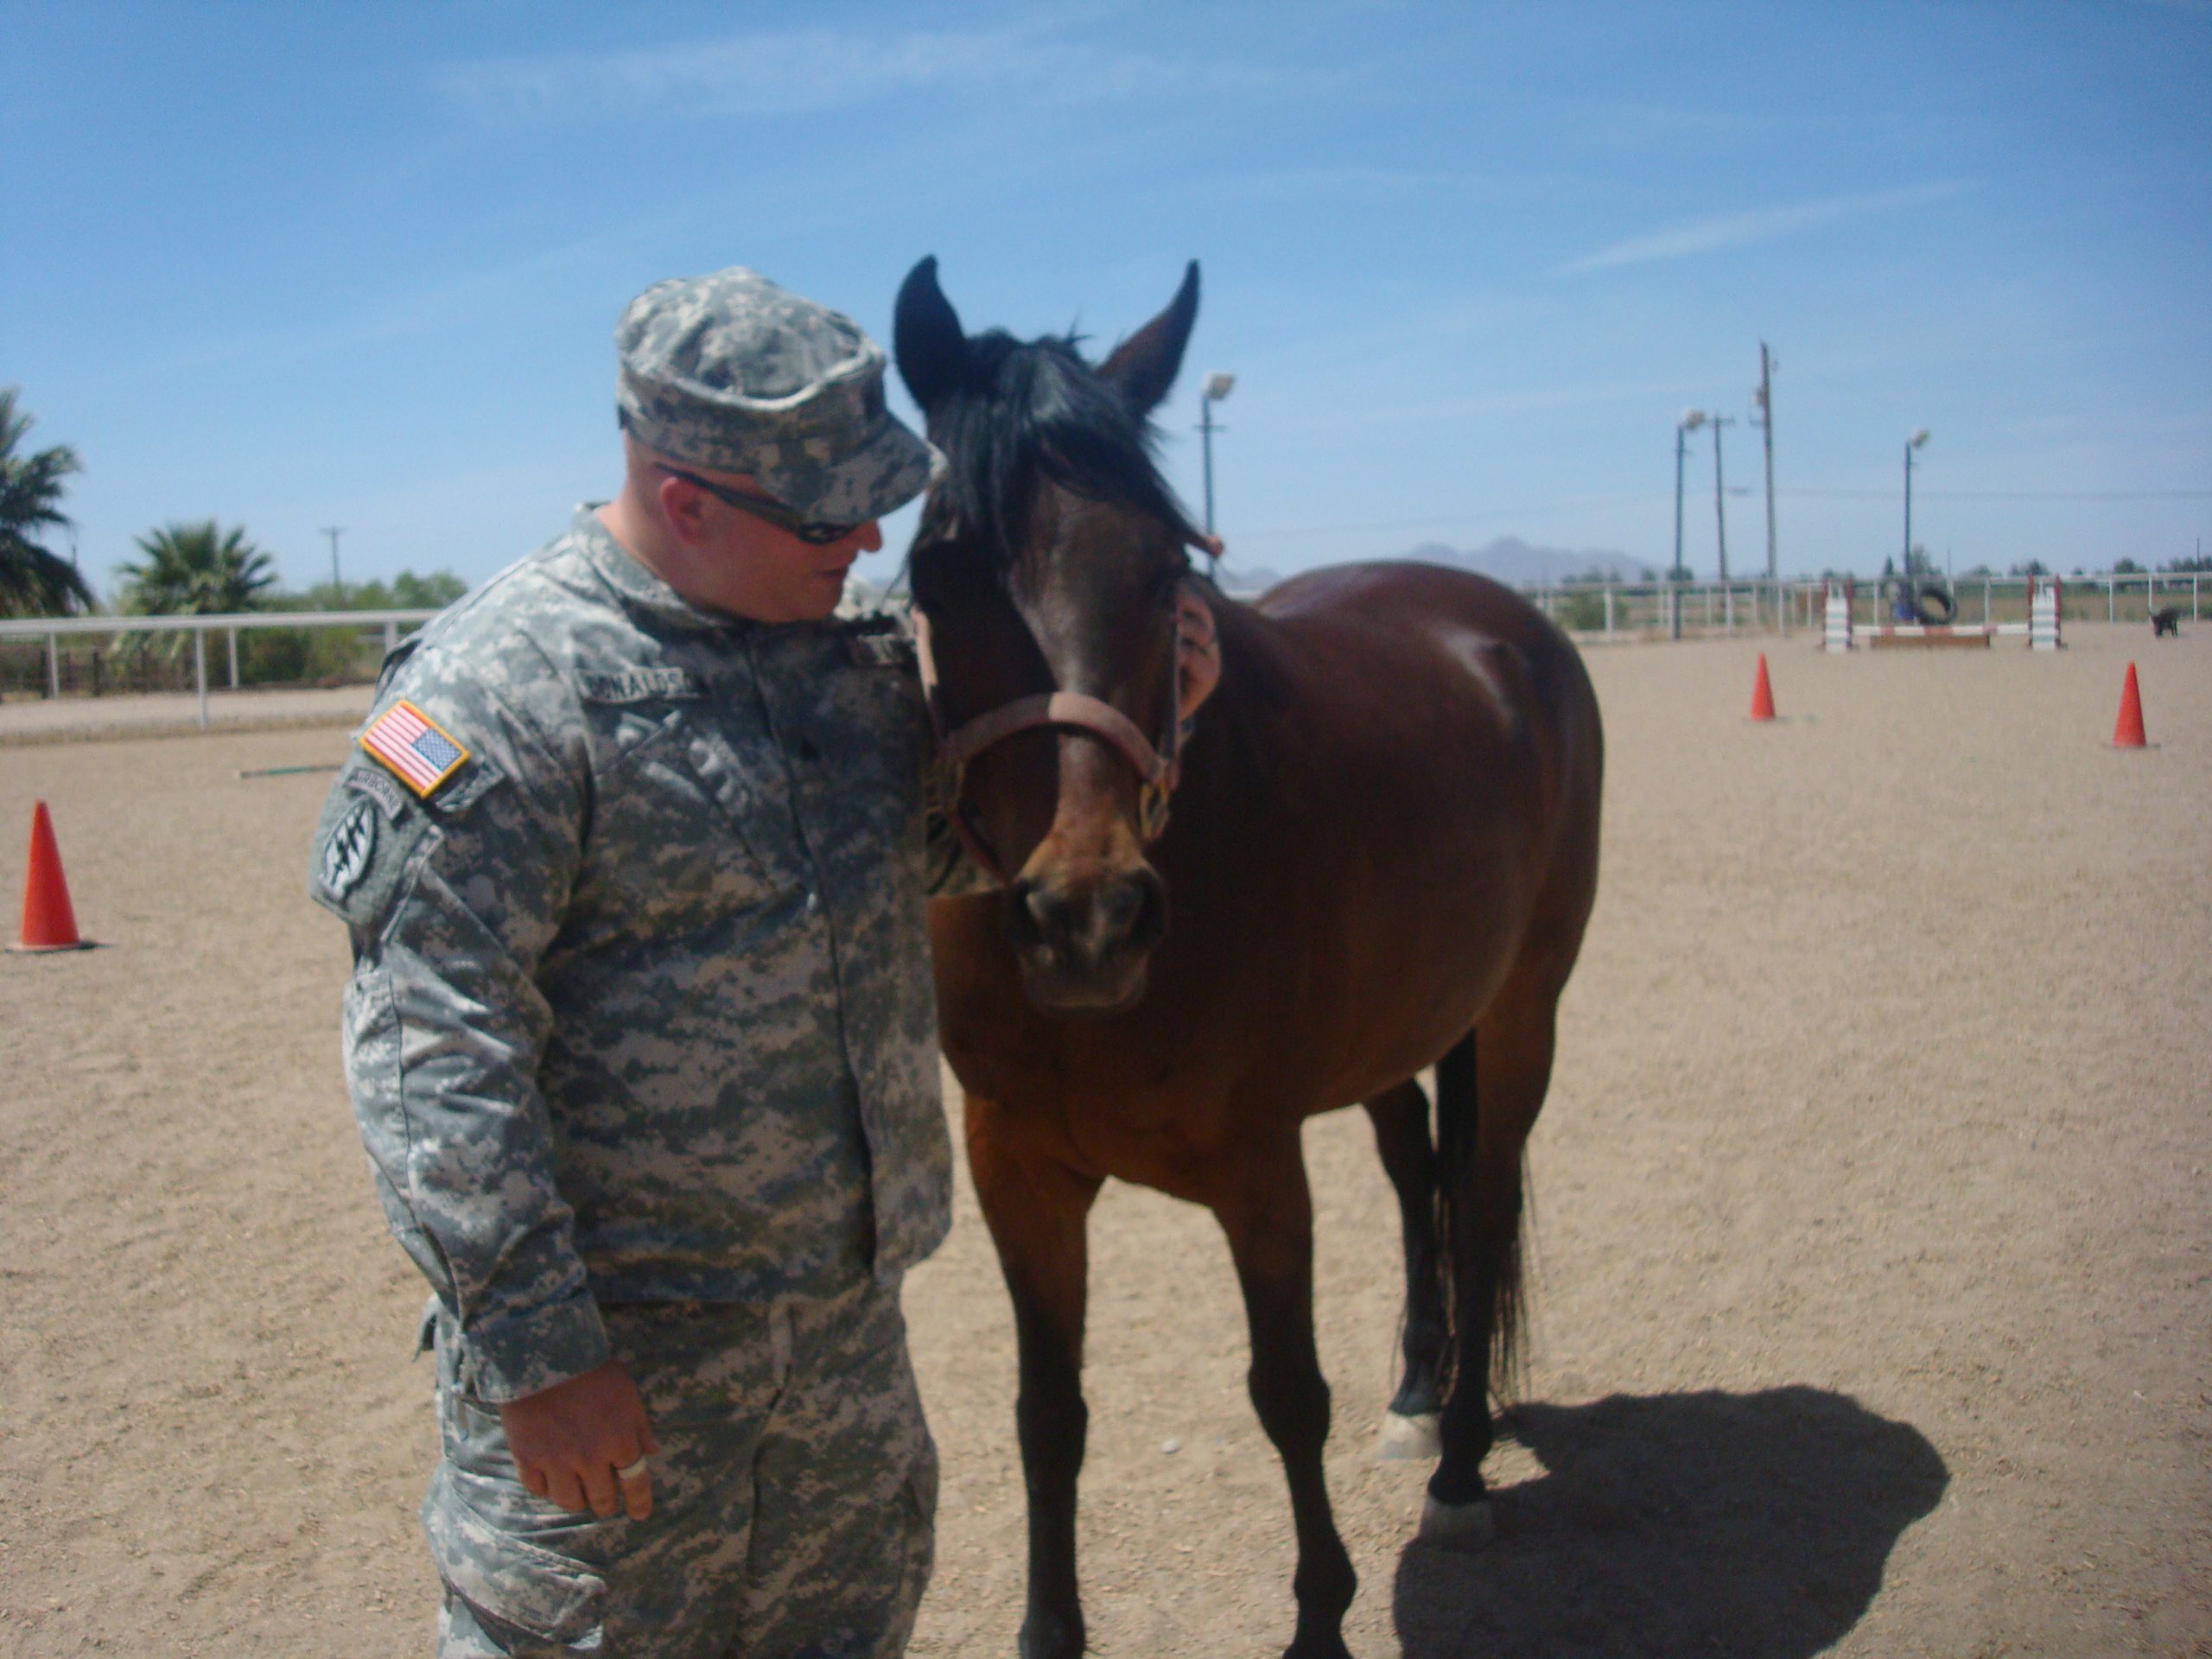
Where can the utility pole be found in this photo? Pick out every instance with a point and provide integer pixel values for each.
(1721, 519)
(337, 587)
(1766, 431)
(1691, 419)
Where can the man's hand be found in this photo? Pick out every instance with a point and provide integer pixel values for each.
(569, 1440)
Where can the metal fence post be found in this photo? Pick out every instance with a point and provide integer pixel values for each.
(234, 658)
(1609, 610)
(390, 636)
(199, 671)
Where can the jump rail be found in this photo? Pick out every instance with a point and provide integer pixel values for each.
(2042, 630)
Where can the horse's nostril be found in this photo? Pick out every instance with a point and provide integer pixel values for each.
(1044, 907)
(1040, 915)
(1133, 910)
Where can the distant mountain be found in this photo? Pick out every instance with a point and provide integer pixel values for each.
(1515, 562)
(1241, 579)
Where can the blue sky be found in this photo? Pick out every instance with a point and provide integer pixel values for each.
(295, 266)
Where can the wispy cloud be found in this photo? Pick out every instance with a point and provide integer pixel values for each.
(784, 72)
(430, 308)
(1726, 230)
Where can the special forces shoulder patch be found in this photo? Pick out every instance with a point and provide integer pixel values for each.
(346, 850)
(418, 750)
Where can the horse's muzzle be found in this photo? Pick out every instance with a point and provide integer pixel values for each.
(1084, 945)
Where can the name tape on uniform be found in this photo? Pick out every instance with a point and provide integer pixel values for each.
(640, 685)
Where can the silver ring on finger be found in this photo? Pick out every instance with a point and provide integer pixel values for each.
(634, 1471)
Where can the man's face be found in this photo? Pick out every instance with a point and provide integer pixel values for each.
(754, 569)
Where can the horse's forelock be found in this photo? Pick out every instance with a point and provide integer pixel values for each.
(1032, 412)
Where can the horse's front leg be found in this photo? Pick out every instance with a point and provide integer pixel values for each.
(1269, 1221)
(1037, 1209)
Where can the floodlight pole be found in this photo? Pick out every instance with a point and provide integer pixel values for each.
(1721, 517)
(1906, 564)
(1766, 431)
(337, 587)
(1217, 386)
(1911, 444)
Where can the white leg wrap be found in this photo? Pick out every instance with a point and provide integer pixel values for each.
(1408, 1440)
(1458, 1526)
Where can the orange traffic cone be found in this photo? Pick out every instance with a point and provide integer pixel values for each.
(2127, 730)
(49, 922)
(1762, 694)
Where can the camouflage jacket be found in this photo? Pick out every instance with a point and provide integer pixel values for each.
(641, 1007)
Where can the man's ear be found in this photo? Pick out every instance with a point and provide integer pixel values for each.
(682, 507)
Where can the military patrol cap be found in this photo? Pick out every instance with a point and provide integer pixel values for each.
(731, 372)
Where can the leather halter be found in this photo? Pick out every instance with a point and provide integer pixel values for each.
(1193, 673)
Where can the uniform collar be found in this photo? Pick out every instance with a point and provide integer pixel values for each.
(638, 588)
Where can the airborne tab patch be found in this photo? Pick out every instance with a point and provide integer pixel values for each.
(378, 787)
(420, 752)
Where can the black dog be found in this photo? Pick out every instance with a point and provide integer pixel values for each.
(2166, 621)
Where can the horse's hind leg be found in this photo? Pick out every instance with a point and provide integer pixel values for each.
(1401, 1120)
(1270, 1221)
(1480, 1146)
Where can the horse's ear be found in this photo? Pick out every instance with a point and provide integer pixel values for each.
(1143, 366)
(926, 336)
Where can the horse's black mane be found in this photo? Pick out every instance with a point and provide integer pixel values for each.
(1032, 410)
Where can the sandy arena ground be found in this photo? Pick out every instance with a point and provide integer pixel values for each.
(1874, 1238)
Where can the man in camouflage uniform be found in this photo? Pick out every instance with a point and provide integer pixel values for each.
(640, 1033)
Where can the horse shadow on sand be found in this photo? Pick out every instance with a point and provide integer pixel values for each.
(1756, 1525)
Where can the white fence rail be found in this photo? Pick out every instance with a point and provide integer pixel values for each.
(1590, 611)
(1608, 611)
(53, 630)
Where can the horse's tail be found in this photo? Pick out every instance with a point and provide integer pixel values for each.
(1478, 1214)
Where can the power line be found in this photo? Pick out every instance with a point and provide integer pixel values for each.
(1434, 520)
(1643, 498)
(2008, 495)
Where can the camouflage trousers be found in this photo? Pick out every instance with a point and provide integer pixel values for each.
(794, 1494)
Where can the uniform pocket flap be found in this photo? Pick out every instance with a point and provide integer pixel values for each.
(510, 1579)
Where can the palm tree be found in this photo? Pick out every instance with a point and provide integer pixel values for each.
(32, 582)
(191, 570)
(196, 571)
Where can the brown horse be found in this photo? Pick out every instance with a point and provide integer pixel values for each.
(1381, 852)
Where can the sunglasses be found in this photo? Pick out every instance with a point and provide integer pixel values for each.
(812, 531)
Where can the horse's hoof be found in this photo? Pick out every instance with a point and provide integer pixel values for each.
(1408, 1440)
(1467, 1527)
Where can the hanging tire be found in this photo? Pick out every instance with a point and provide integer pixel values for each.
(1935, 608)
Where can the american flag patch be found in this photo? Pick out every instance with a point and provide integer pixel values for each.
(415, 746)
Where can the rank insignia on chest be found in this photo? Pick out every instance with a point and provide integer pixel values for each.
(419, 752)
(874, 650)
